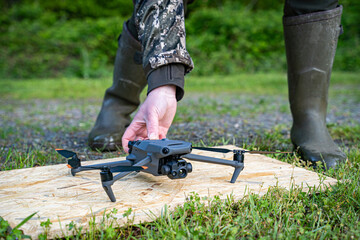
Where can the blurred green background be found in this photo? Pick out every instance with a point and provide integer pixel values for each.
(66, 38)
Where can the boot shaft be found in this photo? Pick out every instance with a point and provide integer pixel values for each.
(310, 42)
(129, 78)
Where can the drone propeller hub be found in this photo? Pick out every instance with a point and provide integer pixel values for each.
(74, 162)
(106, 175)
(239, 155)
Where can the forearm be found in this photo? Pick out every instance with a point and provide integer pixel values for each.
(161, 31)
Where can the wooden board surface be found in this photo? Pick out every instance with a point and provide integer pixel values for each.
(56, 195)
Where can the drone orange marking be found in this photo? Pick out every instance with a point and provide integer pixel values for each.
(68, 166)
(58, 149)
(144, 167)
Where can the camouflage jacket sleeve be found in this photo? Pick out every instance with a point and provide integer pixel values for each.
(161, 31)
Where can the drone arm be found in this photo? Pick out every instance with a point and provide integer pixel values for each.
(143, 162)
(107, 184)
(120, 175)
(124, 163)
(206, 159)
(80, 169)
(138, 164)
(238, 163)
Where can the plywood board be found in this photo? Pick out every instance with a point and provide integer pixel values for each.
(54, 194)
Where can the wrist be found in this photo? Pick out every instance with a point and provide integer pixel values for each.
(169, 90)
(171, 74)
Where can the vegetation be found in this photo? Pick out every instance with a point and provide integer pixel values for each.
(42, 39)
(59, 55)
(342, 83)
(6, 232)
(279, 214)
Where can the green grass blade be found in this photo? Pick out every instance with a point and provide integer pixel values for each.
(24, 221)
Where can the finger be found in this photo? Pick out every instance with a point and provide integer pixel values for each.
(162, 132)
(152, 125)
(129, 135)
(162, 136)
(125, 142)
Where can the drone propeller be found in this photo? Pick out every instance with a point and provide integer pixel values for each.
(225, 150)
(220, 150)
(73, 160)
(264, 152)
(66, 153)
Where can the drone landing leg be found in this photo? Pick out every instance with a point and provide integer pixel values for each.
(236, 174)
(107, 187)
(238, 157)
(108, 180)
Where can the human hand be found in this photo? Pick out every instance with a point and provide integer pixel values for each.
(154, 118)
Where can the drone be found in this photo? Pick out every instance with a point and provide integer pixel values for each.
(157, 157)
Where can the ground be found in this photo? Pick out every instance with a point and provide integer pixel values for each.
(216, 119)
(249, 110)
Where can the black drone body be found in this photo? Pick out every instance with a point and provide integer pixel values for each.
(157, 157)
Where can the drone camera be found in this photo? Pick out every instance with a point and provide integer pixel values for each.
(175, 168)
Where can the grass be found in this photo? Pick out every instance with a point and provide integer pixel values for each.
(279, 214)
(53, 88)
(260, 84)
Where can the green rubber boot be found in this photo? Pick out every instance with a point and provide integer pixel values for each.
(311, 41)
(122, 98)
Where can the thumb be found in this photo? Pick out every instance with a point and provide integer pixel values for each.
(152, 125)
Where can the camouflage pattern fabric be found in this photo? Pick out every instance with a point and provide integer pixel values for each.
(161, 31)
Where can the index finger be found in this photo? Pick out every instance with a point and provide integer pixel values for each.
(133, 131)
(129, 135)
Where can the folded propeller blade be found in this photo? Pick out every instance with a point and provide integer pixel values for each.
(224, 150)
(65, 153)
(264, 152)
(220, 150)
